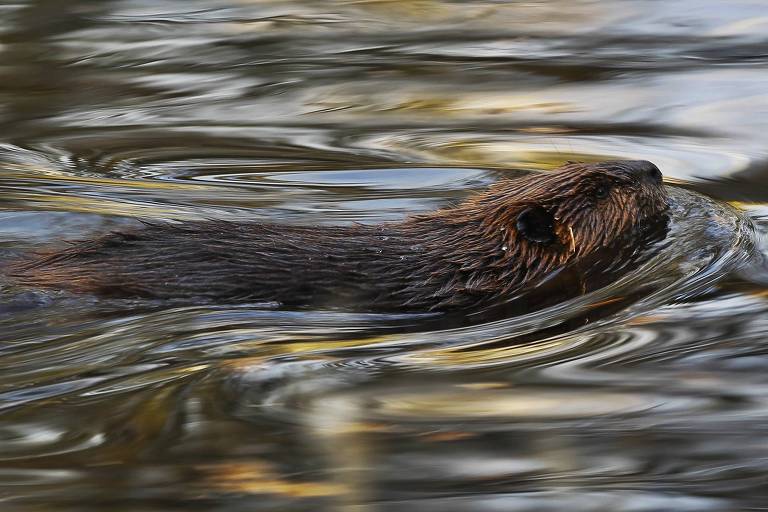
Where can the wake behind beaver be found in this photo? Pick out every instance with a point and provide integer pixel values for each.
(484, 251)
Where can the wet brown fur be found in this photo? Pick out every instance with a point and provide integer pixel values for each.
(459, 257)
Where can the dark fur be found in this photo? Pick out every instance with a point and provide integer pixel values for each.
(482, 251)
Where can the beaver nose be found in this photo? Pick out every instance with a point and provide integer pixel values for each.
(645, 170)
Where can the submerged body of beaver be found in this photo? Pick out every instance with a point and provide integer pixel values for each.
(483, 251)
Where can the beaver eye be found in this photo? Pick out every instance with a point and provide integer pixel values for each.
(601, 191)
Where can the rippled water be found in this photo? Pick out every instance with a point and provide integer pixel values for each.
(647, 395)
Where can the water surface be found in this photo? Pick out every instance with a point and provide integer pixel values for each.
(649, 395)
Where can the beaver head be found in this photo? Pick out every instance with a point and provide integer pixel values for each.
(573, 211)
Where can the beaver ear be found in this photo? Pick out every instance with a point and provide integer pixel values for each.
(537, 225)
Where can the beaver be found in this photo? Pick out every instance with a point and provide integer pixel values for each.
(483, 250)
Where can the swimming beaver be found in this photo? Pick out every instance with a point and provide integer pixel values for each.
(482, 251)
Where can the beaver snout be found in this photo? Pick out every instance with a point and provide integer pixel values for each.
(644, 170)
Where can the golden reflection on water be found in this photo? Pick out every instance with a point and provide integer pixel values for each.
(557, 15)
(460, 356)
(259, 477)
(510, 403)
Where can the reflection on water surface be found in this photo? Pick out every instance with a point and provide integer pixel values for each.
(365, 111)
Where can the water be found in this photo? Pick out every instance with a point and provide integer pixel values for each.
(648, 395)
